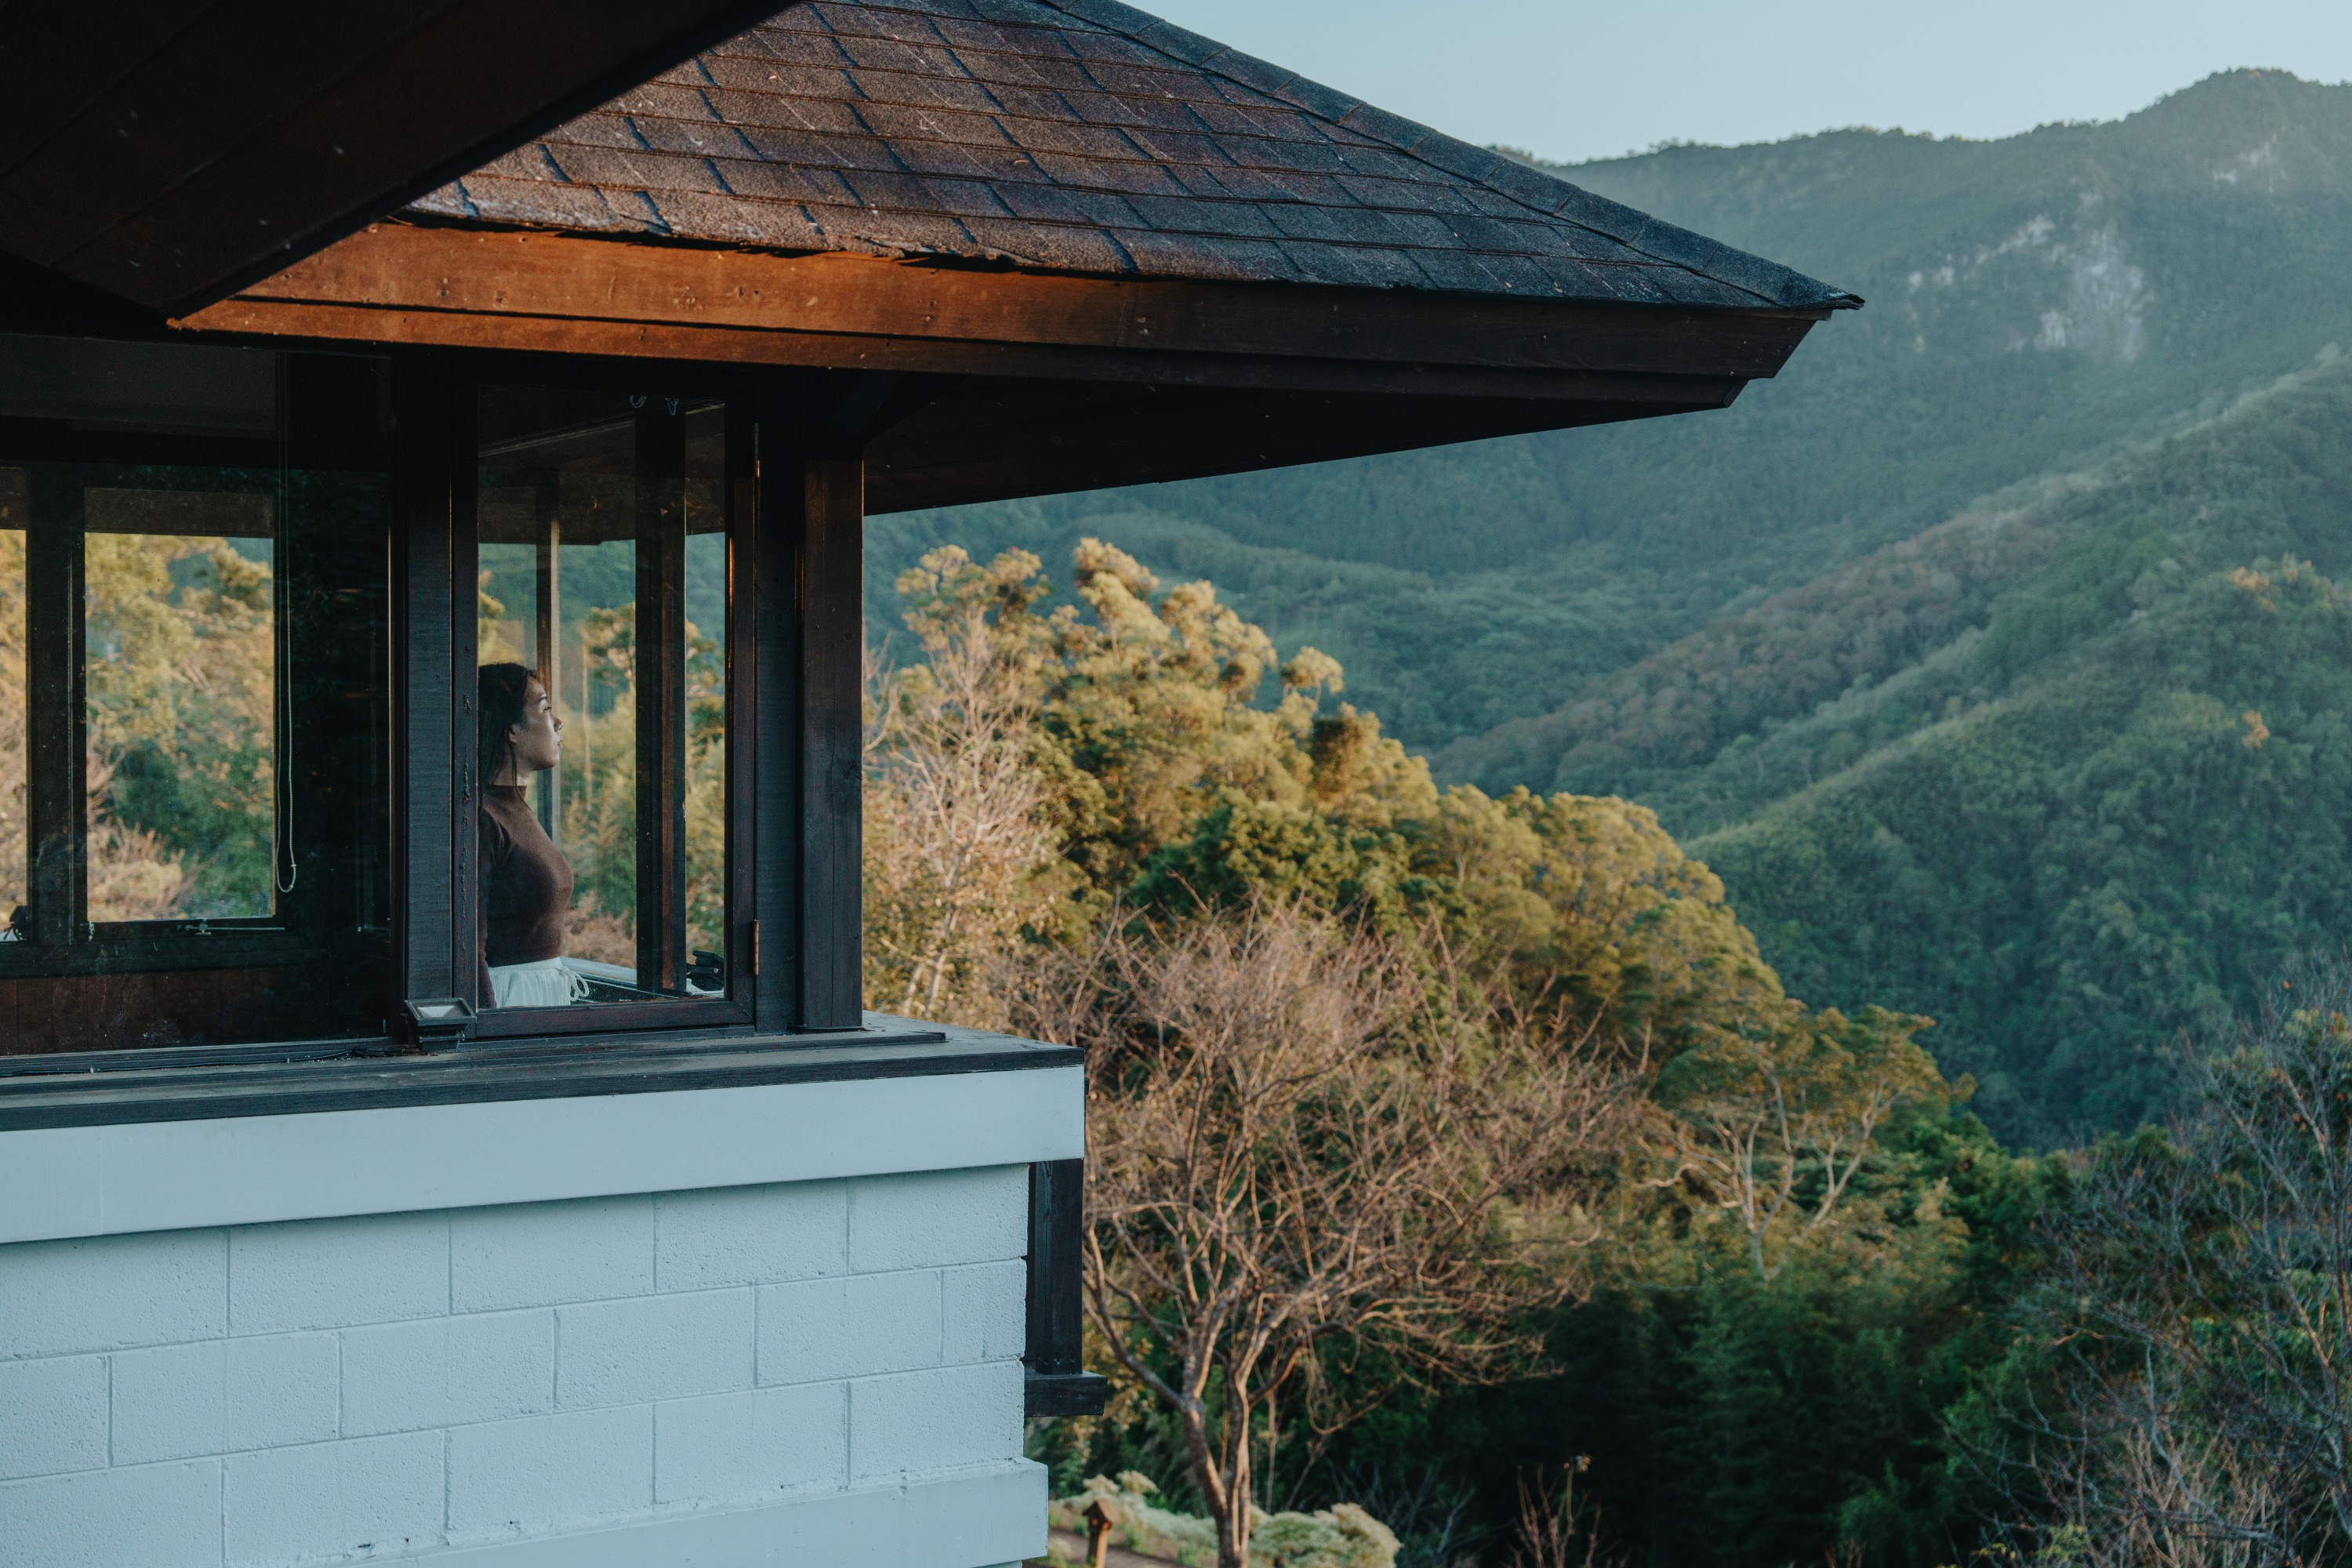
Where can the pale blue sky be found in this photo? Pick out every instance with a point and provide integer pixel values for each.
(1573, 79)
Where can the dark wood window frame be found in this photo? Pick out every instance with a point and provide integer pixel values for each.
(793, 649)
(460, 384)
(61, 941)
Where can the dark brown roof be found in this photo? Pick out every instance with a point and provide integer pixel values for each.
(1083, 136)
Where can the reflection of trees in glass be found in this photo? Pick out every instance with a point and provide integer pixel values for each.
(706, 792)
(600, 805)
(12, 719)
(182, 702)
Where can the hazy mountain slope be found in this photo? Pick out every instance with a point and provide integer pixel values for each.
(2102, 281)
(2100, 800)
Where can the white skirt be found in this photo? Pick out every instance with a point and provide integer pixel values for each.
(546, 984)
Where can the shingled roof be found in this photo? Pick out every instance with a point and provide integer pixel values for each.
(1083, 136)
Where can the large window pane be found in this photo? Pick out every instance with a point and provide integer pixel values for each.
(12, 703)
(194, 677)
(181, 672)
(603, 560)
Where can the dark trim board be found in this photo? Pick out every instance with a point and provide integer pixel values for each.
(1064, 1394)
(1054, 1347)
(543, 1070)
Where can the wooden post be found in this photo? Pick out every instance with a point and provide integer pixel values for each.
(661, 695)
(833, 649)
(433, 896)
(546, 633)
(1056, 1326)
(808, 664)
(771, 551)
(55, 754)
(1101, 1519)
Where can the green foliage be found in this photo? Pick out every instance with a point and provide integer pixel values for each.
(1808, 1239)
(1734, 1421)
(181, 708)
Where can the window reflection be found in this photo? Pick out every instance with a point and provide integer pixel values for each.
(194, 680)
(179, 634)
(13, 896)
(603, 578)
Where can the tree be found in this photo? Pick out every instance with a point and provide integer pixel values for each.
(1772, 1125)
(960, 845)
(1303, 1136)
(2199, 1307)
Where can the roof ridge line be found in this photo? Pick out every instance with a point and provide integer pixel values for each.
(1671, 244)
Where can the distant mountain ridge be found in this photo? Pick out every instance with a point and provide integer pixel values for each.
(1743, 618)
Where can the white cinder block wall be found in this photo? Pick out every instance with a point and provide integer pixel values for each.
(822, 1371)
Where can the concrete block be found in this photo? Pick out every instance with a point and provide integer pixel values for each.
(657, 1347)
(848, 1327)
(738, 1445)
(379, 1496)
(330, 1273)
(934, 1420)
(751, 1235)
(987, 1312)
(446, 1372)
(57, 1297)
(542, 1254)
(166, 1515)
(550, 1471)
(939, 1217)
(283, 1389)
(170, 1404)
(52, 1416)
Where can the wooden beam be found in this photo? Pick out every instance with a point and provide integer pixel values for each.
(390, 282)
(54, 756)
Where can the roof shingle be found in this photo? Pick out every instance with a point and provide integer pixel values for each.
(1083, 135)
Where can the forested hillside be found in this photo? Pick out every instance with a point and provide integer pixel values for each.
(1937, 543)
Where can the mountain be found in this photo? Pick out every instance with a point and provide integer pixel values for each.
(1956, 551)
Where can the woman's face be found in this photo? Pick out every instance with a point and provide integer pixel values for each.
(538, 739)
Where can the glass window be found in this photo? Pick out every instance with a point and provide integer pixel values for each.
(193, 667)
(12, 703)
(602, 604)
(180, 675)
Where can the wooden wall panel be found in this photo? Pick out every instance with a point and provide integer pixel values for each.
(155, 1007)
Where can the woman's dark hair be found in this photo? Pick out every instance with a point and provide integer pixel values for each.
(499, 706)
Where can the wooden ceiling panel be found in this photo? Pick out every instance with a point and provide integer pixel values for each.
(169, 151)
(993, 439)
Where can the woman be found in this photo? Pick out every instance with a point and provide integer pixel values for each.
(526, 882)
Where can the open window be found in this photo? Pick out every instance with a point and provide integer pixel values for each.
(192, 729)
(604, 845)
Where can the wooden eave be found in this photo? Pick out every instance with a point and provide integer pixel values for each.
(1208, 377)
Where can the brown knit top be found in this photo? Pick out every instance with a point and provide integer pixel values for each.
(526, 884)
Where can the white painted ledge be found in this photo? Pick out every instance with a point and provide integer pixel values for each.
(58, 1183)
(977, 1519)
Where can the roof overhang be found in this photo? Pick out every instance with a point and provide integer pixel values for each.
(1005, 382)
(167, 153)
